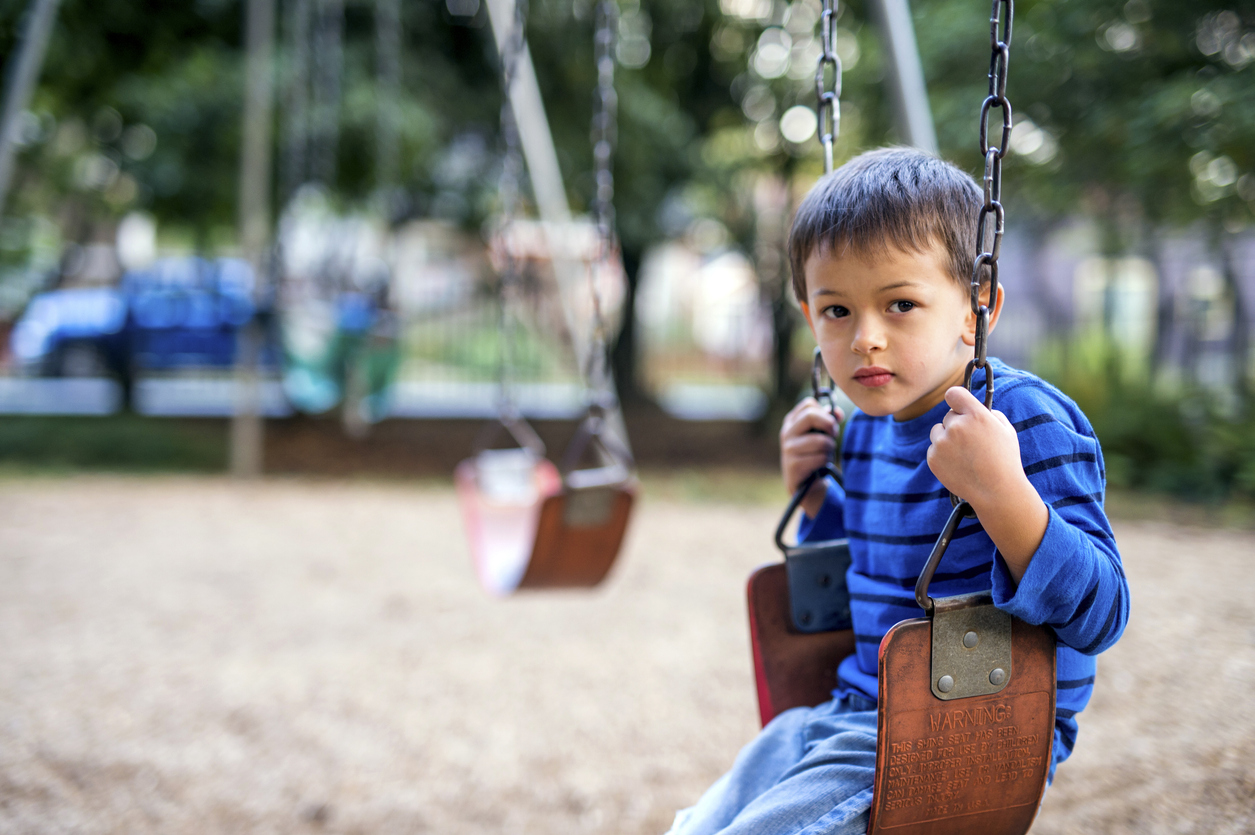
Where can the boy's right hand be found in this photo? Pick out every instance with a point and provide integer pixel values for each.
(807, 441)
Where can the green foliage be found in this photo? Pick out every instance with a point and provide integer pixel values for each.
(1181, 441)
(1123, 89)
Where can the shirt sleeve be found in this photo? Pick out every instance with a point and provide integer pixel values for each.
(829, 523)
(1075, 582)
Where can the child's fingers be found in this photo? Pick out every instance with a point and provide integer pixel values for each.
(814, 418)
(809, 443)
(800, 468)
(961, 400)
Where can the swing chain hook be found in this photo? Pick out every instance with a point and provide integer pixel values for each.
(828, 101)
(823, 393)
(988, 249)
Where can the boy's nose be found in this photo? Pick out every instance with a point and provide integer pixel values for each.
(868, 337)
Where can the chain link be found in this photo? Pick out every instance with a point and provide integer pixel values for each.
(989, 243)
(986, 258)
(604, 134)
(508, 188)
(828, 101)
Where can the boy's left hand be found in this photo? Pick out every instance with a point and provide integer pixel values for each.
(975, 452)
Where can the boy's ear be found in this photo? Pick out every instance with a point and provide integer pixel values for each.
(995, 310)
(969, 335)
(806, 311)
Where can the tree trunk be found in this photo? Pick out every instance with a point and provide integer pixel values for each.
(624, 357)
(1239, 338)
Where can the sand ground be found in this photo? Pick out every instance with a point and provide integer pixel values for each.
(184, 655)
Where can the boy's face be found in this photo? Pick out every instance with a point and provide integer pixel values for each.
(895, 332)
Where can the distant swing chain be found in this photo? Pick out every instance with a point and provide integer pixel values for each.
(508, 187)
(604, 132)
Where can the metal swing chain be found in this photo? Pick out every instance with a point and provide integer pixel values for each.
(1000, 57)
(828, 101)
(508, 188)
(604, 134)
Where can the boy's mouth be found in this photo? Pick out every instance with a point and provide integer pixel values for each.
(873, 377)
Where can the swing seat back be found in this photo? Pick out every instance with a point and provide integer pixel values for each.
(580, 529)
(578, 535)
(791, 668)
(967, 764)
(533, 526)
(974, 763)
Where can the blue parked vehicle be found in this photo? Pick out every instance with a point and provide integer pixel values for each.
(179, 313)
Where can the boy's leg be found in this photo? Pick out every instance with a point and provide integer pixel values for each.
(809, 771)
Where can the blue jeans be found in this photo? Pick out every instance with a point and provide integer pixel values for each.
(809, 772)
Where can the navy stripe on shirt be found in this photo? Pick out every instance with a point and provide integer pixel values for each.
(912, 539)
(879, 456)
(899, 498)
(1067, 736)
(1069, 501)
(1059, 461)
(1105, 632)
(939, 577)
(887, 599)
(1029, 423)
(1081, 609)
(1073, 683)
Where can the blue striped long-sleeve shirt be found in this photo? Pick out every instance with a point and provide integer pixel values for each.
(893, 507)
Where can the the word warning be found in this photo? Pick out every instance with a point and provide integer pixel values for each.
(959, 759)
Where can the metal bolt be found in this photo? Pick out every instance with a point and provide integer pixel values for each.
(970, 639)
(945, 684)
(997, 677)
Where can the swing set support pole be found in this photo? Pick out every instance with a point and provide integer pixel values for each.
(542, 162)
(906, 74)
(22, 74)
(247, 427)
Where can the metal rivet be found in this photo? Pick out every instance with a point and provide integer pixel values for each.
(804, 618)
(970, 639)
(824, 581)
(945, 684)
(997, 677)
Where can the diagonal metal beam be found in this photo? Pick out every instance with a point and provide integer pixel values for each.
(906, 74)
(22, 74)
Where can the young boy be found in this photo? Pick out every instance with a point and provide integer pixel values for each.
(881, 253)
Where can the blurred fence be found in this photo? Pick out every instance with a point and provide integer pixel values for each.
(1184, 307)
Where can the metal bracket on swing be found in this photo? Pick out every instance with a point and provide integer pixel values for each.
(819, 598)
(971, 638)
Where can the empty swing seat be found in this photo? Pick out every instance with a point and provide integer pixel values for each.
(533, 526)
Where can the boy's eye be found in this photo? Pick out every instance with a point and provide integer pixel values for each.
(836, 311)
(901, 306)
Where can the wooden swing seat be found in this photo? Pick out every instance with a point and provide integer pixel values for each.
(557, 534)
(967, 764)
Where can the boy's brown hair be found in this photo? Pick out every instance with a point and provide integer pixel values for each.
(892, 198)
